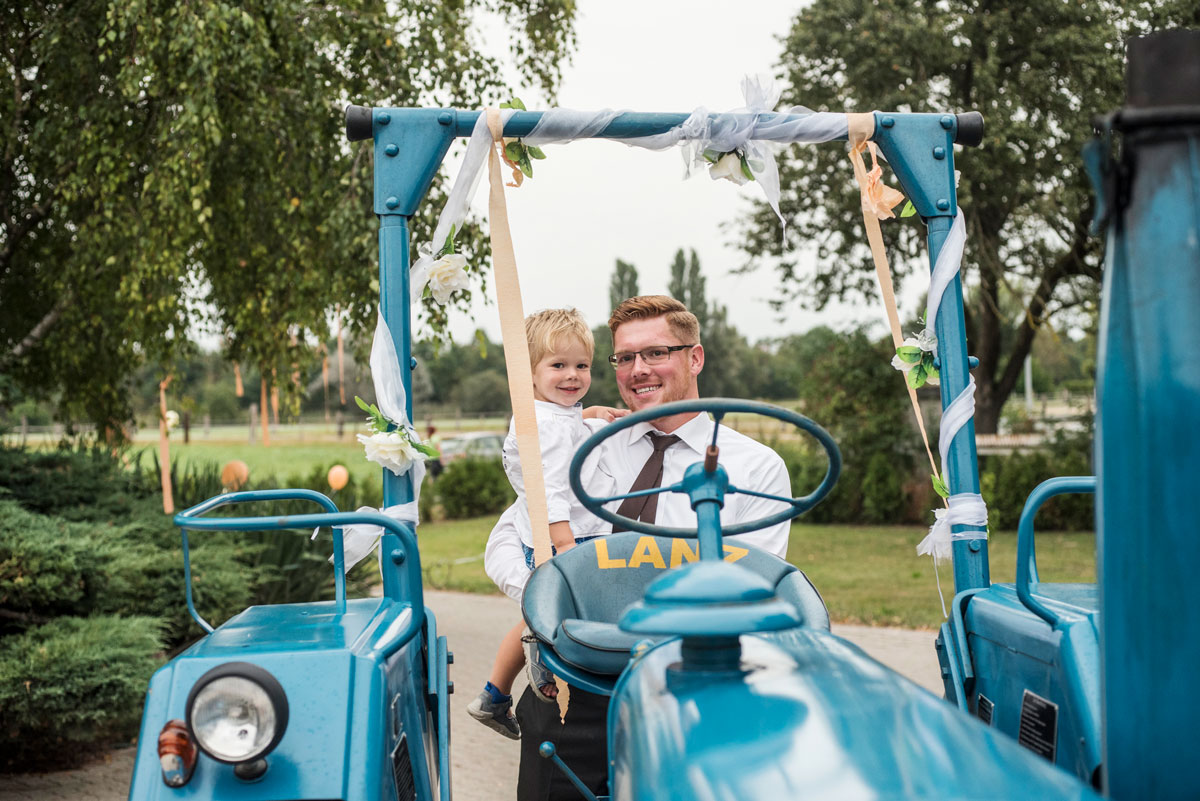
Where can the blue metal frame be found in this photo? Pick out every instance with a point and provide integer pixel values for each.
(409, 146)
(1026, 556)
(184, 519)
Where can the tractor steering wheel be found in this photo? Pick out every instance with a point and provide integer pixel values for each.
(718, 408)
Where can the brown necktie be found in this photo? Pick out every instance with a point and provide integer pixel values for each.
(645, 507)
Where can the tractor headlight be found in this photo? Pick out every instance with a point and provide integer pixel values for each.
(237, 712)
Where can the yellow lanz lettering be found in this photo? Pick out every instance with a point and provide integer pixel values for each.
(734, 553)
(682, 552)
(602, 560)
(647, 551)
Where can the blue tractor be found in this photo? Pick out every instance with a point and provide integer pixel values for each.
(721, 677)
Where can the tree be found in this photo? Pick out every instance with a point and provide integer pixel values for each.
(624, 284)
(1037, 71)
(165, 164)
(727, 354)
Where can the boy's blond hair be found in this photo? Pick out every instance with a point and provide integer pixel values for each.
(550, 329)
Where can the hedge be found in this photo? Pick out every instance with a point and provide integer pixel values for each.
(72, 685)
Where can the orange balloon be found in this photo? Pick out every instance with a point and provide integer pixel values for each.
(338, 476)
(234, 475)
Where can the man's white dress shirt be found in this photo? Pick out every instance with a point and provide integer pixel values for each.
(750, 464)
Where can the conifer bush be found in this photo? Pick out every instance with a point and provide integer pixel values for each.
(71, 684)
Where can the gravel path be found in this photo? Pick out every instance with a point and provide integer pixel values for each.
(484, 763)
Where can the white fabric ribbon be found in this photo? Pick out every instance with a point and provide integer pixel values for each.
(359, 539)
(755, 129)
(957, 414)
(948, 264)
(966, 509)
(459, 202)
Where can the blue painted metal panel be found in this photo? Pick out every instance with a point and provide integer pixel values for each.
(1147, 463)
(815, 718)
(340, 688)
(1017, 652)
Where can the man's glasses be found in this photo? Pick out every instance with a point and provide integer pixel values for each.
(656, 354)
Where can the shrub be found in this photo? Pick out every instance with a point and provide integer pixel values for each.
(474, 487)
(73, 684)
(883, 496)
(1008, 480)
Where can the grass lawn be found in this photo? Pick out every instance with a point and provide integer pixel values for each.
(280, 461)
(868, 575)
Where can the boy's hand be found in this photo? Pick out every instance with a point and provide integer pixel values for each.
(605, 413)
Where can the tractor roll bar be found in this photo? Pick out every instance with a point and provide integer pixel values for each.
(630, 125)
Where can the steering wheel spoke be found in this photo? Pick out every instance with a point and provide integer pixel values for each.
(718, 408)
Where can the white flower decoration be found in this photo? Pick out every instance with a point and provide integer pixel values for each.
(392, 450)
(729, 167)
(447, 275)
(172, 418)
(926, 340)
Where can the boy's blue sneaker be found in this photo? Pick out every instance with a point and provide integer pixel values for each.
(496, 715)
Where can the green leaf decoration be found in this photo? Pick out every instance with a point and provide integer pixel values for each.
(362, 404)
(514, 103)
(746, 169)
(536, 152)
(931, 374)
(428, 450)
(939, 486)
(915, 377)
(525, 165)
(909, 354)
(712, 156)
(513, 151)
(449, 246)
(908, 210)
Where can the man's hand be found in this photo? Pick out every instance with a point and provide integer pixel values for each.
(605, 413)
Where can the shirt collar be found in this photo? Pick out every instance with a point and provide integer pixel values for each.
(568, 411)
(695, 433)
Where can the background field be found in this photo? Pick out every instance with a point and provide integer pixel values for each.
(868, 575)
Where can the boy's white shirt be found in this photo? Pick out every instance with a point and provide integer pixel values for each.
(561, 430)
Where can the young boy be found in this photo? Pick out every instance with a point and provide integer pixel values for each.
(560, 353)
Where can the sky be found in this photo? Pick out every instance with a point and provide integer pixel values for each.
(592, 202)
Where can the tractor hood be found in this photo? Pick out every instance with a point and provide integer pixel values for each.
(810, 716)
(329, 669)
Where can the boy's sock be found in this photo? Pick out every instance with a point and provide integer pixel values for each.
(497, 696)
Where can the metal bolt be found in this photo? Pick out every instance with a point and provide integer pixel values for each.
(887, 122)
(391, 150)
(449, 688)
(939, 153)
(449, 657)
(397, 556)
(974, 545)
(943, 204)
(945, 672)
(383, 118)
(445, 118)
(947, 121)
(412, 363)
(392, 202)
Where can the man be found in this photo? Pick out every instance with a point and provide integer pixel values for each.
(657, 356)
(656, 323)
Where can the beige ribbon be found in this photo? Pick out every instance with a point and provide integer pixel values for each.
(878, 200)
(164, 448)
(516, 361)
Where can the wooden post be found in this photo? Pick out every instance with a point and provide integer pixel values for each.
(186, 420)
(266, 414)
(164, 448)
(253, 421)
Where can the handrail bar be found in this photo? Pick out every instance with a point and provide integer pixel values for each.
(1027, 571)
(187, 518)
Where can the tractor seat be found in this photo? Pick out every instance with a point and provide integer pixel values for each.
(573, 602)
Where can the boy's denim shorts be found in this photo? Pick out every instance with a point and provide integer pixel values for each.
(553, 551)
